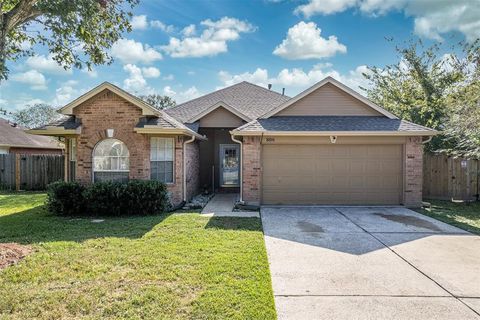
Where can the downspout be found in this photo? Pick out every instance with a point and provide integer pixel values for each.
(185, 168)
(428, 140)
(241, 166)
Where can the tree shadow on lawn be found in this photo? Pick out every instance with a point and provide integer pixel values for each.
(37, 225)
(235, 223)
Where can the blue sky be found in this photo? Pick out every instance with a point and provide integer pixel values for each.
(188, 48)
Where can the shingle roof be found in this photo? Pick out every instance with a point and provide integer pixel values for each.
(67, 123)
(248, 98)
(331, 123)
(16, 136)
(155, 121)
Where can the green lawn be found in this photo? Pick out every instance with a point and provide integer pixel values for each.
(157, 267)
(462, 215)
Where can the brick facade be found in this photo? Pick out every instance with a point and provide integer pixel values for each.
(109, 111)
(252, 175)
(413, 172)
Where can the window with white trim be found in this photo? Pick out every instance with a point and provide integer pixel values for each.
(111, 161)
(161, 159)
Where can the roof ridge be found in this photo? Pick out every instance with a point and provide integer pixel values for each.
(265, 89)
(206, 95)
(229, 87)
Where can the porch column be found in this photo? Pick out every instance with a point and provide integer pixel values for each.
(413, 172)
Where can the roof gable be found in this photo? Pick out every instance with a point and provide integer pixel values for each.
(221, 118)
(329, 97)
(218, 106)
(147, 110)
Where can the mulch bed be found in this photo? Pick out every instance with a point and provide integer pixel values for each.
(11, 253)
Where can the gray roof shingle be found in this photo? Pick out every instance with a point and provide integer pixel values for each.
(11, 135)
(331, 123)
(248, 98)
(66, 122)
(155, 121)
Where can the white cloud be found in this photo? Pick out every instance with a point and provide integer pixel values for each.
(162, 26)
(65, 93)
(91, 73)
(136, 82)
(151, 72)
(169, 77)
(139, 22)
(130, 51)
(324, 7)
(182, 96)
(46, 64)
(304, 41)
(33, 78)
(189, 30)
(296, 79)
(211, 42)
(431, 18)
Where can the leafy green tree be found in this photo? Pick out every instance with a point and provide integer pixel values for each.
(76, 32)
(158, 101)
(36, 115)
(462, 130)
(418, 86)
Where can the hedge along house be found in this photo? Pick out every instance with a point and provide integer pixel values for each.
(327, 145)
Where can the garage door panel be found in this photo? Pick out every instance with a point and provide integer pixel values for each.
(332, 174)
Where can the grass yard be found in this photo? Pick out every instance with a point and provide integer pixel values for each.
(464, 216)
(158, 267)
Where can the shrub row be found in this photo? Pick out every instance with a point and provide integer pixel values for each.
(136, 197)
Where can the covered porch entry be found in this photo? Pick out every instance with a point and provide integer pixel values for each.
(219, 161)
(219, 154)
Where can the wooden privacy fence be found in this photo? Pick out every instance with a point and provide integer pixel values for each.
(447, 178)
(30, 172)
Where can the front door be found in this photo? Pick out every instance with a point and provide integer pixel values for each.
(229, 165)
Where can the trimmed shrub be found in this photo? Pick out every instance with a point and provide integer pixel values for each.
(136, 197)
(105, 199)
(65, 198)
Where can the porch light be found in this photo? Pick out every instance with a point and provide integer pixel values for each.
(109, 133)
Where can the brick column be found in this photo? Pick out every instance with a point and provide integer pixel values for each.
(252, 175)
(413, 172)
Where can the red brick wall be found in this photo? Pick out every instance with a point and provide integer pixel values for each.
(413, 172)
(252, 175)
(109, 111)
(35, 151)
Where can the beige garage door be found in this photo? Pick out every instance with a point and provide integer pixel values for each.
(332, 174)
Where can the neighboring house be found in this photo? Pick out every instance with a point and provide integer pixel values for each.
(327, 145)
(14, 139)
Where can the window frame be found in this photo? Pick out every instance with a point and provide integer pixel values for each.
(172, 139)
(72, 159)
(117, 157)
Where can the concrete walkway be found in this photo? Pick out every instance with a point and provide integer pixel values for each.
(221, 205)
(370, 263)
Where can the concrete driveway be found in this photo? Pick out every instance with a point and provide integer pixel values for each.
(370, 263)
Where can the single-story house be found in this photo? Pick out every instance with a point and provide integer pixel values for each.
(14, 139)
(326, 145)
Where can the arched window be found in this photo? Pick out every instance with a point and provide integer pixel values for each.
(110, 161)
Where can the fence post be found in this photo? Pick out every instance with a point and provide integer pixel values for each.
(17, 172)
